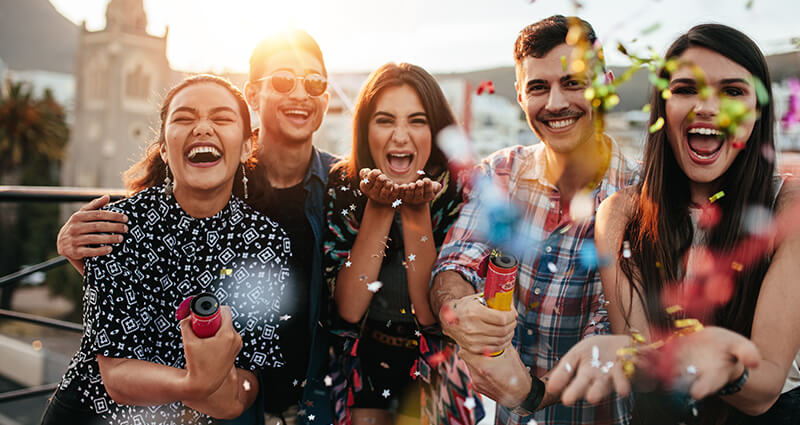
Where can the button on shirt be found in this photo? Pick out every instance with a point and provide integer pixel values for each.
(558, 295)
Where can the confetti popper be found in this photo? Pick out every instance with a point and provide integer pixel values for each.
(204, 311)
(501, 276)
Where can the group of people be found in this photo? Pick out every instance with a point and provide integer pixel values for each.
(351, 287)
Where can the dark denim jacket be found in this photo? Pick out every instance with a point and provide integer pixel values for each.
(316, 400)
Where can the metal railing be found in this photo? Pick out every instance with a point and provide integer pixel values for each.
(44, 194)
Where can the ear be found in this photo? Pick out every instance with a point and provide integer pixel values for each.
(163, 152)
(519, 94)
(251, 94)
(247, 150)
(326, 98)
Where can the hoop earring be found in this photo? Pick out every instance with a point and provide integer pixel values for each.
(169, 187)
(244, 181)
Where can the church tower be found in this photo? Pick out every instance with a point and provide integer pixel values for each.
(121, 76)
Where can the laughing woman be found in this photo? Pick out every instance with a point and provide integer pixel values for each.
(189, 234)
(697, 232)
(386, 221)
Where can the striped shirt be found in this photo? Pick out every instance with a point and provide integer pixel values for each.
(558, 295)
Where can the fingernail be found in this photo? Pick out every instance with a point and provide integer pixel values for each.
(125, 218)
(119, 238)
(125, 228)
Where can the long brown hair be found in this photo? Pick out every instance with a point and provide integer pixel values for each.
(151, 170)
(430, 94)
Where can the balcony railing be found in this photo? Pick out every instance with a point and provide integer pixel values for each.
(44, 194)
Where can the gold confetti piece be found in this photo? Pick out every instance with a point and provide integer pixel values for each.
(402, 311)
(657, 125)
(685, 323)
(629, 369)
(717, 196)
(658, 264)
(563, 63)
(666, 94)
(638, 337)
(589, 93)
(674, 309)
(737, 266)
(533, 305)
(225, 272)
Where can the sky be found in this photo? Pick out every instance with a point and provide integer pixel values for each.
(440, 35)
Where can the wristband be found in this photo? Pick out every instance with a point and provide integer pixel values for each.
(735, 386)
(534, 398)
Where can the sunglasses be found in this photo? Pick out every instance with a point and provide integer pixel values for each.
(285, 82)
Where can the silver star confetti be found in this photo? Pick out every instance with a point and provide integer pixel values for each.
(469, 403)
(412, 257)
(328, 380)
(397, 203)
(348, 263)
(691, 370)
(344, 212)
(385, 393)
(595, 357)
(424, 238)
(374, 287)
(285, 317)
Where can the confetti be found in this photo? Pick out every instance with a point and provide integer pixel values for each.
(397, 203)
(737, 266)
(285, 317)
(352, 207)
(626, 249)
(469, 403)
(657, 125)
(737, 145)
(311, 417)
(552, 267)
(374, 287)
(345, 212)
(717, 196)
(423, 238)
(568, 367)
(348, 263)
(595, 357)
(421, 172)
(385, 393)
(606, 367)
(328, 380)
(365, 181)
(225, 272)
(691, 370)
(412, 257)
(487, 86)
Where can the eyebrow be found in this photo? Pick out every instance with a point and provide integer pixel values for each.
(412, 115)
(194, 110)
(725, 81)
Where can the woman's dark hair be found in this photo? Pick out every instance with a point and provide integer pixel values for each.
(430, 95)
(660, 231)
(151, 170)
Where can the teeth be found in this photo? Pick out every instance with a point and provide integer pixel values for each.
(560, 123)
(400, 155)
(703, 131)
(204, 149)
(298, 112)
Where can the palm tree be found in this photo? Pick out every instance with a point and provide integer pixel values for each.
(33, 135)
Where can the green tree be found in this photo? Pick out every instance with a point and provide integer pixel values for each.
(33, 136)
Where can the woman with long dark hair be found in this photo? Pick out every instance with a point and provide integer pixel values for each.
(702, 236)
(390, 206)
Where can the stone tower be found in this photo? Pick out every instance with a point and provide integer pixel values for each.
(121, 74)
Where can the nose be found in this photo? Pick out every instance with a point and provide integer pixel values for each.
(400, 134)
(556, 100)
(299, 90)
(203, 128)
(707, 107)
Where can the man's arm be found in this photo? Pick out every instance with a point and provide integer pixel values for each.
(88, 227)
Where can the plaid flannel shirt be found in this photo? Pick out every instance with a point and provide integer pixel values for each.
(558, 295)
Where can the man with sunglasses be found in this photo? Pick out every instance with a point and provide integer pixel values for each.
(287, 88)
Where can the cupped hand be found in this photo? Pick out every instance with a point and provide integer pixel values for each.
(419, 192)
(377, 186)
(476, 328)
(590, 370)
(209, 360)
(504, 378)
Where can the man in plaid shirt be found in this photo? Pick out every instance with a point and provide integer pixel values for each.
(558, 296)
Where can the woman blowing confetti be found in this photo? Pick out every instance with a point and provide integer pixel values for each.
(386, 221)
(704, 238)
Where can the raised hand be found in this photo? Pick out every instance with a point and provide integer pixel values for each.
(377, 187)
(477, 328)
(419, 192)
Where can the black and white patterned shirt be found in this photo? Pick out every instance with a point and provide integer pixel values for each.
(131, 295)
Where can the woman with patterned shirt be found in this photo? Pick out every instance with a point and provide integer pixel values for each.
(137, 364)
(386, 221)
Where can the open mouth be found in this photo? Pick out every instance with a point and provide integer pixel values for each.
(704, 144)
(203, 155)
(400, 163)
(296, 114)
(560, 122)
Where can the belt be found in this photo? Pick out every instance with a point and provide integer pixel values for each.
(394, 341)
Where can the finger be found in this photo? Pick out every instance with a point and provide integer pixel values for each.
(562, 374)
(419, 191)
(101, 215)
(98, 227)
(576, 389)
(187, 333)
(387, 191)
(227, 317)
(622, 385)
(97, 239)
(599, 389)
(91, 252)
(96, 203)
(363, 173)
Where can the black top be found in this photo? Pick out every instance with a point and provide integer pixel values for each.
(287, 206)
(131, 295)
